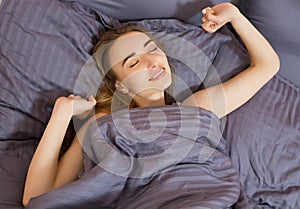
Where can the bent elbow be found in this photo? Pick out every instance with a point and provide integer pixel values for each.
(272, 66)
(276, 64)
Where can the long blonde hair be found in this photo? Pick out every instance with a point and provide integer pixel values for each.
(107, 90)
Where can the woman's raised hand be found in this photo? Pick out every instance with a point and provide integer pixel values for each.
(82, 107)
(217, 16)
(75, 105)
(46, 162)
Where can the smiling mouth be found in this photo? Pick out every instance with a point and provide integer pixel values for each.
(158, 74)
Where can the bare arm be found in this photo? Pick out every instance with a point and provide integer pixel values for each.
(228, 96)
(46, 170)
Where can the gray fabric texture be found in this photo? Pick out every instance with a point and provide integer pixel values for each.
(278, 21)
(263, 141)
(144, 174)
(185, 10)
(44, 45)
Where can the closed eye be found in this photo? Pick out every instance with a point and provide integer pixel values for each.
(134, 64)
(153, 49)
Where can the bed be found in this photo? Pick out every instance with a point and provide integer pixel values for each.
(250, 159)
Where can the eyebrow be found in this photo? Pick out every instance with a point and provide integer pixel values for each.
(147, 42)
(132, 54)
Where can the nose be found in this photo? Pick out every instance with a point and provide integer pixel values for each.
(149, 61)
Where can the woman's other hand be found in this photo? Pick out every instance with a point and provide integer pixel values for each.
(75, 105)
(217, 16)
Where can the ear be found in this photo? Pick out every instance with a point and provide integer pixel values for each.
(121, 88)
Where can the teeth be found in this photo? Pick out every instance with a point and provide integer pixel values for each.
(157, 74)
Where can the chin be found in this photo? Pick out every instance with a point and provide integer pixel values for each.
(167, 81)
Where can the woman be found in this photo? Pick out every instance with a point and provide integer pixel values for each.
(142, 57)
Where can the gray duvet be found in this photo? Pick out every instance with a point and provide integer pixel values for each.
(176, 161)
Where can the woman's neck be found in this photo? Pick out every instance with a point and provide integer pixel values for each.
(155, 100)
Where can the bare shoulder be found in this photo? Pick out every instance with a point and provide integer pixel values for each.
(82, 130)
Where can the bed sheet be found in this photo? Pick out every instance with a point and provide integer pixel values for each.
(15, 158)
(283, 37)
(39, 41)
(264, 144)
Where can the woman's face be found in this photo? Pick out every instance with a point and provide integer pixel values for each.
(140, 65)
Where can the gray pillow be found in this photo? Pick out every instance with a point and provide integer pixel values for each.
(278, 21)
(124, 10)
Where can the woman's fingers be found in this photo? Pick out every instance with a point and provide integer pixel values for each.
(92, 100)
(79, 106)
(210, 22)
(71, 96)
(205, 10)
(209, 15)
(210, 26)
(82, 107)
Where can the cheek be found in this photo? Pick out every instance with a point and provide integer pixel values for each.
(137, 81)
(119, 73)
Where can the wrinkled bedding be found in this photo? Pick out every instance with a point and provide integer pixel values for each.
(175, 161)
(264, 144)
(44, 48)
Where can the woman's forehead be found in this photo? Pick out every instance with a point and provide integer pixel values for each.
(131, 42)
